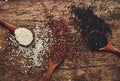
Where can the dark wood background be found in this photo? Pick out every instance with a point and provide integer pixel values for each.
(84, 65)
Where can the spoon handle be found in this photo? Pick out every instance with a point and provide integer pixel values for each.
(110, 47)
(51, 68)
(7, 25)
(114, 49)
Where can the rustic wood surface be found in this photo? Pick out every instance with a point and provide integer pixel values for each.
(83, 65)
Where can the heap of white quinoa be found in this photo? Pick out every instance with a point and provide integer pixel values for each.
(36, 51)
(24, 36)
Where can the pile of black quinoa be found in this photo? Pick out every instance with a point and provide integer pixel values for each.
(92, 25)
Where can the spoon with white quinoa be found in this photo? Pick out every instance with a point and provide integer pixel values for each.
(24, 36)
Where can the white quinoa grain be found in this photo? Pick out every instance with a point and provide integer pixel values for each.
(24, 36)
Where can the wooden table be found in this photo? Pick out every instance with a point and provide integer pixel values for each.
(83, 65)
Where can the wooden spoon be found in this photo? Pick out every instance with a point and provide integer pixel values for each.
(110, 47)
(51, 68)
(56, 57)
(7, 25)
(98, 41)
(25, 34)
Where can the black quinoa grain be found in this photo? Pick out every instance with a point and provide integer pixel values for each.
(89, 20)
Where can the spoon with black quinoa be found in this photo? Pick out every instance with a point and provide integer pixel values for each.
(95, 27)
(98, 41)
(23, 35)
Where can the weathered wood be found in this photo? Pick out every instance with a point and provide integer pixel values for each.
(81, 65)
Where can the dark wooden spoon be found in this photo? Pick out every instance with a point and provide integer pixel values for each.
(7, 25)
(98, 41)
(13, 29)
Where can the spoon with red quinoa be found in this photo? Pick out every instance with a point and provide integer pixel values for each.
(58, 50)
(58, 53)
(23, 35)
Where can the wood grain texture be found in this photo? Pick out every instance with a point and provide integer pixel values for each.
(81, 63)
